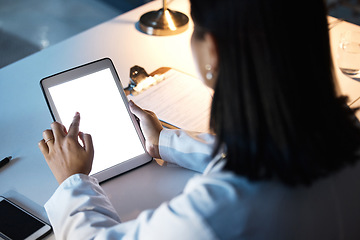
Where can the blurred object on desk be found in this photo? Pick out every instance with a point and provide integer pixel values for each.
(349, 54)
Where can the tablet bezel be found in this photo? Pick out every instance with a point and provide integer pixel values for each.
(79, 72)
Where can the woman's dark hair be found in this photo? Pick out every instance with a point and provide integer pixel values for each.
(275, 107)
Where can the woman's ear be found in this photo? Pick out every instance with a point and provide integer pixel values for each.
(212, 52)
(206, 57)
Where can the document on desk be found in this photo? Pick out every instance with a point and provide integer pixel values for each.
(180, 99)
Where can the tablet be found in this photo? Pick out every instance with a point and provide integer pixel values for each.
(95, 91)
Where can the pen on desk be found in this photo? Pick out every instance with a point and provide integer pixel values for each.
(5, 161)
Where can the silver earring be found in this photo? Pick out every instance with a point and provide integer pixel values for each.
(209, 75)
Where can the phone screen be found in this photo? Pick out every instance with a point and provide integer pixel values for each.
(15, 223)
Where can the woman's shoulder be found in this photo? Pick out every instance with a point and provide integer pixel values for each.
(231, 204)
(214, 199)
(227, 186)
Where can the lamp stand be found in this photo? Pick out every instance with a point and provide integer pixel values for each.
(163, 22)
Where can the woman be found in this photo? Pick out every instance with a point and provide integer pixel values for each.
(283, 163)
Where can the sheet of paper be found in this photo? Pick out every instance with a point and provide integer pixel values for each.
(179, 99)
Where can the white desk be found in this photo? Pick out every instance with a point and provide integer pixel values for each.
(24, 114)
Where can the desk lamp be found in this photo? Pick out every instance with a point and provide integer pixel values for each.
(163, 22)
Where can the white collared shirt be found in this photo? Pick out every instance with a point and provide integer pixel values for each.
(218, 205)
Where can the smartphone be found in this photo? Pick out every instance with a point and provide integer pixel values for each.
(17, 223)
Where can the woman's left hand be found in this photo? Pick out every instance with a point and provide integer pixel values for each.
(63, 152)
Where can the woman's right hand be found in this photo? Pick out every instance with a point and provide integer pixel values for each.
(151, 128)
(62, 151)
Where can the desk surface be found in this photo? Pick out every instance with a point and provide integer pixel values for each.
(27, 180)
(24, 114)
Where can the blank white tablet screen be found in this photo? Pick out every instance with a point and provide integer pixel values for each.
(103, 115)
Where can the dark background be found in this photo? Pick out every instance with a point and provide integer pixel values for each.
(29, 26)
